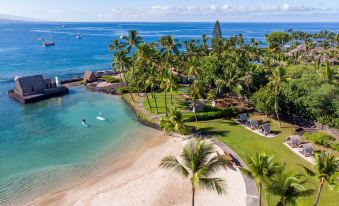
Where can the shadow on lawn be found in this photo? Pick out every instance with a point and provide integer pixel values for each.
(211, 131)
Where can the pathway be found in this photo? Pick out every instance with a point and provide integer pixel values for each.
(252, 194)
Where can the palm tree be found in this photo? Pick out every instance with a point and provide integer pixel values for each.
(122, 61)
(174, 123)
(261, 168)
(196, 92)
(165, 85)
(276, 80)
(289, 187)
(132, 41)
(198, 163)
(169, 47)
(325, 170)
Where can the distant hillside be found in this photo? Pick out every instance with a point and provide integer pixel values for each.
(11, 18)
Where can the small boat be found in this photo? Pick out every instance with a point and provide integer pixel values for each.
(63, 26)
(48, 43)
(100, 117)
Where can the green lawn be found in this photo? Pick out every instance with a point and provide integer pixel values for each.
(245, 142)
(178, 102)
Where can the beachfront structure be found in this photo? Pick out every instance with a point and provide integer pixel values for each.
(265, 129)
(307, 149)
(89, 77)
(252, 123)
(243, 117)
(293, 141)
(34, 88)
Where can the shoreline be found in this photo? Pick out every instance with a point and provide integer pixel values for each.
(137, 179)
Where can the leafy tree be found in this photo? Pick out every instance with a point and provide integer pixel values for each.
(199, 163)
(276, 80)
(264, 100)
(261, 168)
(276, 40)
(326, 171)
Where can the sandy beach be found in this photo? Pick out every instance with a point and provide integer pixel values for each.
(136, 179)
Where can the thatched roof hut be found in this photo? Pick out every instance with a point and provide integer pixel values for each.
(243, 117)
(265, 129)
(89, 77)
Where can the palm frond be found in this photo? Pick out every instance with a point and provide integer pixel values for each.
(172, 162)
(214, 184)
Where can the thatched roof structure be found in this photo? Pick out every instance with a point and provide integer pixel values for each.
(252, 123)
(243, 117)
(89, 77)
(294, 140)
(265, 129)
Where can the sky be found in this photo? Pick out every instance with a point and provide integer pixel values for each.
(175, 10)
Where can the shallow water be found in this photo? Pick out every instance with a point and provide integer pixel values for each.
(47, 148)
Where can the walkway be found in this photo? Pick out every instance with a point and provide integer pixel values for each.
(144, 111)
(252, 194)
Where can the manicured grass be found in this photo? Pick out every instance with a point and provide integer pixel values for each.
(245, 142)
(178, 102)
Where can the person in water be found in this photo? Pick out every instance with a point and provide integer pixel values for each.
(83, 120)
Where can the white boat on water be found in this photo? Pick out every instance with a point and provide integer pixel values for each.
(79, 36)
(48, 42)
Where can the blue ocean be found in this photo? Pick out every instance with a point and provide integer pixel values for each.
(43, 147)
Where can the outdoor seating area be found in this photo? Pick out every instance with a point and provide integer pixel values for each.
(253, 125)
(293, 141)
(303, 150)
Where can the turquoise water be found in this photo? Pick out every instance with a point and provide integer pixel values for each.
(47, 148)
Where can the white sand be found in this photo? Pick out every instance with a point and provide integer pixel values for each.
(138, 180)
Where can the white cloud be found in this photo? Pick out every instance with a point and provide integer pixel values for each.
(208, 12)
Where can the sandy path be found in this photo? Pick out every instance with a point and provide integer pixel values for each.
(136, 179)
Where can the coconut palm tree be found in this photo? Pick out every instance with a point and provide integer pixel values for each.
(289, 187)
(174, 122)
(196, 91)
(277, 79)
(169, 47)
(165, 85)
(261, 168)
(132, 41)
(326, 170)
(198, 162)
(122, 62)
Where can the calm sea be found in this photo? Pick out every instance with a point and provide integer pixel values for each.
(43, 146)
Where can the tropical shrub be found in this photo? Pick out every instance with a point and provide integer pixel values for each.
(320, 138)
(209, 114)
(109, 79)
(122, 90)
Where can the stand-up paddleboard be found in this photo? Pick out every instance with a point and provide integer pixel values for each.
(100, 117)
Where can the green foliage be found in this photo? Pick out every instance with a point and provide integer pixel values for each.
(320, 138)
(264, 100)
(276, 40)
(109, 79)
(211, 95)
(174, 122)
(330, 121)
(208, 114)
(122, 90)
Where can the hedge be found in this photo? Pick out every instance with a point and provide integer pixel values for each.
(207, 115)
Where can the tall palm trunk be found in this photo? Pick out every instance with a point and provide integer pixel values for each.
(195, 110)
(166, 103)
(319, 191)
(128, 89)
(276, 109)
(171, 97)
(193, 194)
(149, 103)
(259, 188)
